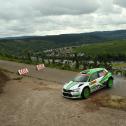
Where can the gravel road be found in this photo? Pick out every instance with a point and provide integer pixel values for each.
(49, 74)
(60, 76)
(34, 102)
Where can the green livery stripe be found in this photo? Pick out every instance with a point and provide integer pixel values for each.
(91, 71)
(71, 84)
(105, 78)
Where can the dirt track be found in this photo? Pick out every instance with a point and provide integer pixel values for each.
(60, 76)
(48, 74)
(33, 102)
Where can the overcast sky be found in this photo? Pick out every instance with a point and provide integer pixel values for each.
(49, 17)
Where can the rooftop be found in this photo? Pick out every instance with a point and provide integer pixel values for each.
(91, 71)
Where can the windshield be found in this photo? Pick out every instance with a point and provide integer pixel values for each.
(81, 78)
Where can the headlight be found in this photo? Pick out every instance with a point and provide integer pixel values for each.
(76, 90)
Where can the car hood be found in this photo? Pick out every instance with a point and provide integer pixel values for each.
(73, 85)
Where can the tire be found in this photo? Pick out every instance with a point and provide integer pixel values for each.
(110, 83)
(86, 93)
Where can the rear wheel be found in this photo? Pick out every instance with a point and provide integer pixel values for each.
(110, 83)
(86, 93)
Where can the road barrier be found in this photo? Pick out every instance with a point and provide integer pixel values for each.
(40, 67)
(23, 71)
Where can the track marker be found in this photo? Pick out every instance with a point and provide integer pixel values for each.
(23, 71)
(40, 67)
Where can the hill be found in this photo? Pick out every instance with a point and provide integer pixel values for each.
(111, 47)
(18, 45)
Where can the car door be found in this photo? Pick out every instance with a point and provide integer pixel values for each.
(101, 75)
(94, 82)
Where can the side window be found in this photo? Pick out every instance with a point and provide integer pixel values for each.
(94, 76)
(101, 73)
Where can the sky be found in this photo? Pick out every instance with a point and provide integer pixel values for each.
(52, 17)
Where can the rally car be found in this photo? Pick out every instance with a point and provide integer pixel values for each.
(87, 82)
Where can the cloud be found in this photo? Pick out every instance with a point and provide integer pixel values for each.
(29, 8)
(44, 17)
(69, 7)
(108, 7)
(121, 3)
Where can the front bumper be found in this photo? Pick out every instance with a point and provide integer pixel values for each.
(71, 94)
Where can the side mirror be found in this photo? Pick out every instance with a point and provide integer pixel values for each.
(92, 82)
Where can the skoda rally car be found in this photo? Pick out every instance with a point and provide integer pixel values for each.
(87, 82)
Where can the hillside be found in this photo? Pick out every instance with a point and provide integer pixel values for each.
(111, 47)
(18, 45)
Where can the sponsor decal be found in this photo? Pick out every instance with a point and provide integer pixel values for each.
(93, 82)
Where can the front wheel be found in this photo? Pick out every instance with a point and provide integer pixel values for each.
(110, 83)
(86, 93)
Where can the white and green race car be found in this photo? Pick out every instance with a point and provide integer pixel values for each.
(87, 82)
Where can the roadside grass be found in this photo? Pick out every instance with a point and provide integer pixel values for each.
(54, 65)
(3, 79)
(119, 65)
(110, 101)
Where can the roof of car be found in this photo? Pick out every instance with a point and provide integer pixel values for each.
(91, 71)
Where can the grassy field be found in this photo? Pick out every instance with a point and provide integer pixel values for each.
(120, 65)
(113, 47)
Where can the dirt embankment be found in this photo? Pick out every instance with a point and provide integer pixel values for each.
(108, 101)
(3, 79)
